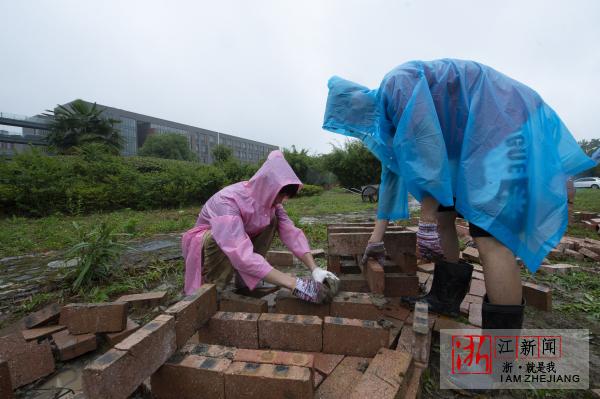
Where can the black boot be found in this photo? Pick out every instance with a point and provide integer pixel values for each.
(508, 317)
(449, 287)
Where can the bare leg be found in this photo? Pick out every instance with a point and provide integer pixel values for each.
(502, 274)
(448, 236)
(429, 208)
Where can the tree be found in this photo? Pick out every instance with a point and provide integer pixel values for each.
(222, 153)
(168, 146)
(589, 147)
(300, 161)
(353, 164)
(79, 124)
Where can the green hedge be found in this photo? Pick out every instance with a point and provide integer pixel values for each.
(35, 184)
(309, 190)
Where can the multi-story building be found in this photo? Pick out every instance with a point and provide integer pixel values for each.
(136, 128)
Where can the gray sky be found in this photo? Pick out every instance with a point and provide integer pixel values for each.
(259, 69)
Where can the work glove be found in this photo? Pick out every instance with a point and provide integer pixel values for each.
(428, 242)
(319, 275)
(310, 290)
(374, 250)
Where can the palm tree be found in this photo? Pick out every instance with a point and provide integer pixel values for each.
(80, 123)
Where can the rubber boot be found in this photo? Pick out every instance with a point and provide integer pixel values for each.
(508, 317)
(449, 287)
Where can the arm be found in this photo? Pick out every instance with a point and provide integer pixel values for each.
(294, 238)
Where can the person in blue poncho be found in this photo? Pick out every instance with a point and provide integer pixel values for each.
(464, 139)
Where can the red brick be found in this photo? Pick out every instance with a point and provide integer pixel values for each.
(6, 389)
(325, 363)
(47, 315)
(537, 296)
(118, 372)
(570, 254)
(396, 311)
(477, 288)
(190, 378)
(81, 318)
(406, 341)
(275, 357)
(354, 305)
(70, 346)
(426, 267)
(400, 284)
(375, 276)
(560, 268)
(344, 378)
(286, 303)
(386, 377)
(146, 299)
(464, 306)
(589, 254)
(475, 314)
(232, 329)
(231, 302)
(444, 322)
(27, 361)
(353, 283)
(317, 380)
(413, 391)
(353, 337)
(267, 381)
(290, 332)
(359, 228)
(115, 338)
(280, 258)
(334, 264)
(193, 311)
(471, 255)
(431, 319)
(41, 332)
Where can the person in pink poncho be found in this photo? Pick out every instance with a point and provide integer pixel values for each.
(234, 232)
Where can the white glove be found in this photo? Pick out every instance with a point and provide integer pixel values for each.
(319, 275)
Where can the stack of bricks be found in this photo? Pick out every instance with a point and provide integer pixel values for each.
(395, 278)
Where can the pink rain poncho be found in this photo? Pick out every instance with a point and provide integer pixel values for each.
(239, 212)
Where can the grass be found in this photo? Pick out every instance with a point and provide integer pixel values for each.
(587, 199)
(330, 202)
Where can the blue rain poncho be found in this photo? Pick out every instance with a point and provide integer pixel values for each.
(461, 131)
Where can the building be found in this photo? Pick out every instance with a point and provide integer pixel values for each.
(136, 128)
(11, 144)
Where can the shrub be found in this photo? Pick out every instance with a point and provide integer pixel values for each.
(308, 190)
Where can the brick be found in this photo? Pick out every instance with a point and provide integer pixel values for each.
(569, 253)
(231, 302)
(286, 303)
(359, 228)
(406, 341)
(82, 318)
(401, 247)
(400, 284)
(353, 283)
(193, 311)
(464, 306)
(41, 332)
(462, 231)
(390, 366)
(192, 377)
(426, 267)
(70, 346)
(431, 318)
(217, 351)
(47, 315)
(477, 288)
(475, 314)
(375, 276)
(275, 357)
(592, 247)
(537, 296)
(354, 305)
(559, 268)
(344, 378)
(268, 381)
(317, 253)
(353, 337)
(396, 242)
(447, 323)
(27, 361)
(290, 332)
(471, 255)
(6, 389)
(280, 258)
(413, 391)
(317, 380)
(423, 277)
(478, 275)
(118, 372)
(334, 264)
(396, 311)
(231, 329)
(146, 299)
(115, 338)
(589, 254)
(325, 363)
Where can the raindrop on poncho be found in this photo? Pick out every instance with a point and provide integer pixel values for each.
(461, 131)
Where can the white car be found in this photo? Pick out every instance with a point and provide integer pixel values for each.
(588, 182)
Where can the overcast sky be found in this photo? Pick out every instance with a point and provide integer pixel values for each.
(259, 69)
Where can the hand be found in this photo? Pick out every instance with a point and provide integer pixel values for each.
(309, 290)
(319, 275)
(374, 250)
(428, 242)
